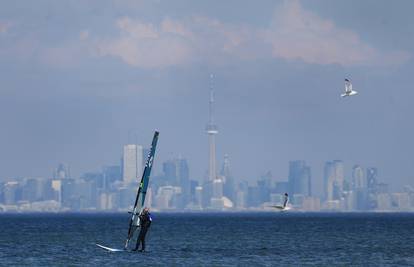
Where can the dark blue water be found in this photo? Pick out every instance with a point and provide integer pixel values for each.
(244, 239)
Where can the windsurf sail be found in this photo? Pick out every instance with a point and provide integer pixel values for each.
(142, 191)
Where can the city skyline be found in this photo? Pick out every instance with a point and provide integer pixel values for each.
(75, 95)
(176, 189)
(113, 187)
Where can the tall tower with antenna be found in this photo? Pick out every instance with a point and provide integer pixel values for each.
(212, 130)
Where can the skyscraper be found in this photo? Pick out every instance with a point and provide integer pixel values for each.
(176, 173)
(228, 186)
(359, 186)
(212, 131)
(333, 180)
(11, 192)
(217, 188)
(372, 188)
(132, 163)
(372, 180)
(183, 180)
(358, 178)
(111, 174)
(299, 178)
(169, 169)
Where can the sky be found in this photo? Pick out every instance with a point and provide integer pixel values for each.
(79, 79)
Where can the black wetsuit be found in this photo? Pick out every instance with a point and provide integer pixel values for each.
(145, 223)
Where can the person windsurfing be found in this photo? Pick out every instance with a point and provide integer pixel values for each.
(144, 223)
(286, 200)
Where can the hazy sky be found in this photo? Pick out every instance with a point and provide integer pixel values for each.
(79, 77)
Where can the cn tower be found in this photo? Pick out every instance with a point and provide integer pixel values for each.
(211, 129)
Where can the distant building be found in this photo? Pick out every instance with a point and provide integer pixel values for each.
(132, 163)
(359, 188)
(358, 178)
(400, 201)
(372, 178)
(29, 190)
(281, 187)
(57, 190)
(207, 193)
(12, 193)
(193, 192)
(198, 197)
(62, 172)
(217, 188)
(333, 180)
(382, 188)
(111, 174)
(86, 192)
(166, 197)
(372, 188)
(241, 200)
(183, 181)
(108, 201)
(348, 201)
(384, 202)
(169, 169)
(126, 196)
(149, 198)
(97, 178)
(228, 180)
(276, 199)
(311, 204)
(242, 195)
(299, 178)
(68, 194)
(265, 187)
(254, 196)
(176, 173)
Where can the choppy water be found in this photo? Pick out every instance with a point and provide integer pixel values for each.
(244, 239)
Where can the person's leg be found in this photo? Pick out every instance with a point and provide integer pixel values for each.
(137, 245)
(143, 244)
(142, 237)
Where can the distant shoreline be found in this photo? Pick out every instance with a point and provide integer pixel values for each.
(256, 211)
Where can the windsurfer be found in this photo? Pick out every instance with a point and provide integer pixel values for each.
(145, 223)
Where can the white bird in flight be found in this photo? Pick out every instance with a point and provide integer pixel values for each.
(348, 89)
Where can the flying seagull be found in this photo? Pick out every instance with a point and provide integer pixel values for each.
(348, 89)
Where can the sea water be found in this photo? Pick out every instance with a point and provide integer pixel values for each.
(211, 239)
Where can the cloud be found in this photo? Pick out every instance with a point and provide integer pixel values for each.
(296, 33)
(293, 34)
(148, 46)
(172, 42)
(4, 27)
